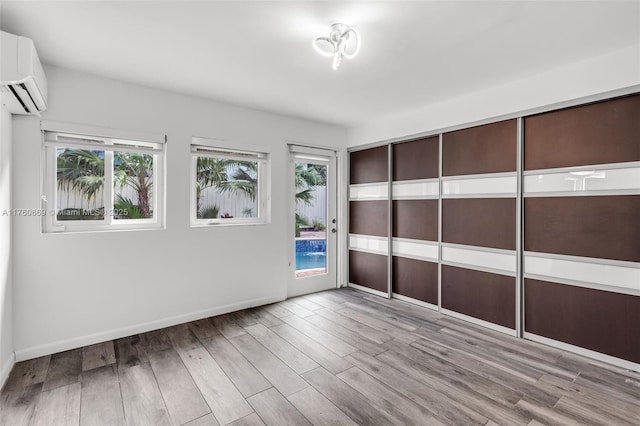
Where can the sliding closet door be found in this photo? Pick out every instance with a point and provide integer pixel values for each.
(415, 193)
(479, 226)
(368, 219)
(582, 228)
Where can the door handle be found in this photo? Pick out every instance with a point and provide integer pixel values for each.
(334, 230)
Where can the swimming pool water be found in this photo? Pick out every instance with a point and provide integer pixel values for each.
(310, 260)
(311, 254)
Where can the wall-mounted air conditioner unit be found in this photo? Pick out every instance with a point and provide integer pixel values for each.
(22, 80)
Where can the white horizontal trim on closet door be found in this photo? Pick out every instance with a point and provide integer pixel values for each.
(415, 249)
(584, 179)
(617, 276)
(369, 244)
(416, 189)
(497, 261)
(490, 185)
(369, 191)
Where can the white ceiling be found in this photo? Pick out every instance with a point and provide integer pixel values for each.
(259, 54)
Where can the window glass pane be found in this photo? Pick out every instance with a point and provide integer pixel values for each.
(132, 186)
(226, 188)
(80, 184)
(311, 219)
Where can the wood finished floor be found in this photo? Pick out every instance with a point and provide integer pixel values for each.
(339, 357)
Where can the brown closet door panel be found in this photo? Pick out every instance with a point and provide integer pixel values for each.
(605, 132)
(605, 227)
(483, 149)
(369, 165)
(484, 222)
(368, 218)
(369, 270)
(489, 297)
(416, 279)
(416, 159)
(416, 219)
(599, 320)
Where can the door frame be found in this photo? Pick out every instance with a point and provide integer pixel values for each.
(294, 287)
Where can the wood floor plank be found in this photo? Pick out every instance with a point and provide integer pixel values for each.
(306, 303)
(490, 405)
(129, 352)
(318, 409)
(442, 407)
(141, 397)
(279, 374)
(19, 405)
(603, 379)
(611, 400)
(340, 347)
(226, 402)
(391, 316)
(407, 309)
(490, 369)
(228, 326)
(595, 412)
(398, 406)
(495, 338)
(251, 420)
(346, 398)
(27, 373)
(523, 359)
(508, 366)
(64, 369)
(277, 310)
(156, 340)
(206, 420)
(324, 301)
(181, 395)
(242, 373)
(58, 406)
(372, 321)
(244, 318)
(323, 356)
(459, 376)
(363, 330)
(295, 308)
(203, 329)
(274, 409)
(354, 339)
(548, 416)
(266, 318)
(101, 402)
(182, 338)
(295, 359)
(98, 355)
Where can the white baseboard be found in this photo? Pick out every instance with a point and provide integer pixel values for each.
(78, 342)
(6, 369)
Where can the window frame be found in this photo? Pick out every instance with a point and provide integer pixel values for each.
(213, 148)
(109, 141)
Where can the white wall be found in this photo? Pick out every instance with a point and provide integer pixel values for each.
(616, 70)
(75, 289)
(6, 288)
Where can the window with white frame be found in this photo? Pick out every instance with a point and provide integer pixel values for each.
(95, 183)
(229, 185)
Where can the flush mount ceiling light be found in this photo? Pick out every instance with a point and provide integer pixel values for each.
(343, 42)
